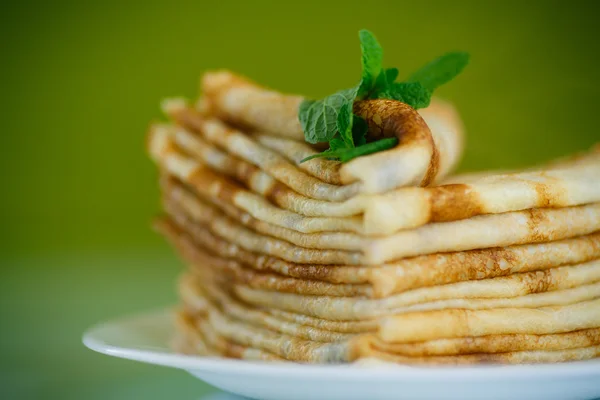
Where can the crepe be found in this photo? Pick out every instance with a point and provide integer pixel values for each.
(509, 286)
(511, 357)
(194, 173)
(220, 189)
(395, 277)
(485, 231)
(243, 146)
(194, 340)
(192, 294)
(426, 150)
(569, 183)
(440, 347)
(489, 344)
(349, 308)
(472, 345)
(384, 257)
(550, 348)
(555, 185)
(532, 226)
(458, 322)
(198, 210)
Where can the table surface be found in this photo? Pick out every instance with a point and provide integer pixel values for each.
(46, 303)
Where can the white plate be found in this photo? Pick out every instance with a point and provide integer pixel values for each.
(145, 338)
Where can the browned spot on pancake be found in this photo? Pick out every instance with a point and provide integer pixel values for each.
(536, 217)
(390, 118)
(488, 263)
(434, 165)
(454, 202)
(318, 272)
(223, 190)
(592, 335)
(544, 195)
(537, 282)
(207, 241)
(277, 192)
(244, 172)
(454, 267)
(481, 358)
(188, 118)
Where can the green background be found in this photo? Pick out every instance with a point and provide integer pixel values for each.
(81, 81)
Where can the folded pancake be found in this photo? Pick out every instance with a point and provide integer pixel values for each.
(532, 226)
(520, 348)
(201, 209)
(202, 339)
(382, 258)
(191, 292)
(430, 142)
(382, 214)
(221, 189)
(489, 344)
(509, 286)
(384, 280)
(242, 145)
(485, 231)
(198, 207)
(574, 182)
(512, 357)
(453, 323)
(349, 308)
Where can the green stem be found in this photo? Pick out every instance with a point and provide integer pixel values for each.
(347, 154)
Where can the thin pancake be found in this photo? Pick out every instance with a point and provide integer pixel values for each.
(558, 184)
(349, 308)
(420, 156)
(431, 325)
(202, 339)
(191, 293)
(527, 226)
(294, 349)
(405, 274)
(245, 147)
(490, 344)
(509, 286)
(513, 357)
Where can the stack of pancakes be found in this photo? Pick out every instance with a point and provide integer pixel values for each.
(383, 257)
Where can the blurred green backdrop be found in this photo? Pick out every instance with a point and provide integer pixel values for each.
(82, 80)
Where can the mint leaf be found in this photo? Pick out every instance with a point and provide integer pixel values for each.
(337, 143)
(352, 129)
(319, 117)
(372, 59)
(332, 120)
(441, 70)
(303, 116)
(384, 80)
(411, 93)
(391, 74)
(366, 149)
(347, 154)
(359, 130)
(344, 123)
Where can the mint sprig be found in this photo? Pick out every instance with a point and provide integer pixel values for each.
(441, 70)
(345, 154)
(331, 119)
(372, 59)
(319, 118)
